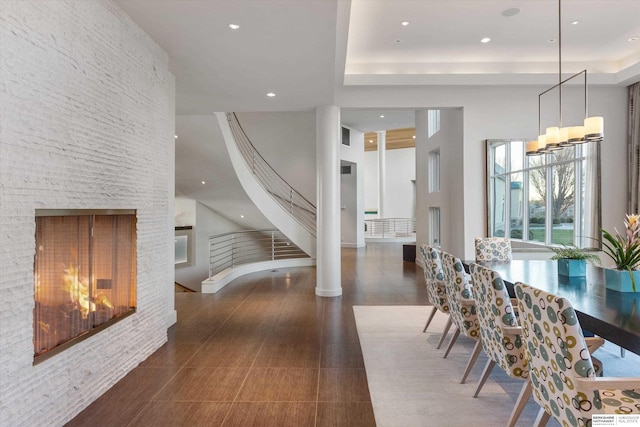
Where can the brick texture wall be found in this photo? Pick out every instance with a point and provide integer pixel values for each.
(85, 122)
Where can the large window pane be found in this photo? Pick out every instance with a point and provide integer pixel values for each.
(499, 208)
(537, 205)
(499, 159)
(563, 203)
(516, 203)
(517, 155)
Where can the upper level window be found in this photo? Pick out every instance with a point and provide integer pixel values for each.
(547, 199)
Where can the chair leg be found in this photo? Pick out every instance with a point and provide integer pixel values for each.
(485, 374)
(455, 336)
(523, 398)
(433, 313)
(444, 333)
(593, 343)
(542, 418)
(472, 360)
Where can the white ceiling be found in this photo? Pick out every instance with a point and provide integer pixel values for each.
(307, 51)
(443, 38)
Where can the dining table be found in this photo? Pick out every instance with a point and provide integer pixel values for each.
(612, 315)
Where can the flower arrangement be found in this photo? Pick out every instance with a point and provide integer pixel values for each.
(573, 252)
(624, 248)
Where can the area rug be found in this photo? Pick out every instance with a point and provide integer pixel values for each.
(412, 385)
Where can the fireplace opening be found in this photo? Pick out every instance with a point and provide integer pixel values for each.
(85, 275)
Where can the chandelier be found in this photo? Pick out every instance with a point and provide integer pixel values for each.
(558, 137)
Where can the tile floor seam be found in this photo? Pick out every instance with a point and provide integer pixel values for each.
(180, 368)
(235, 398)
(322, 332)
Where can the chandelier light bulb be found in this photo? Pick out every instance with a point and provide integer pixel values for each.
(593, 128)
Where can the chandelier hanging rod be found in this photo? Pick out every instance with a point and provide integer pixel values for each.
(557, 137)
(560, 85)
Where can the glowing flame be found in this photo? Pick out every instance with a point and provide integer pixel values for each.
(78, 288)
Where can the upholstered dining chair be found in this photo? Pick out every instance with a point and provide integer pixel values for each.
(561, 370)
(462, 307)
(493, 249)
(499, 333)
(434, 276)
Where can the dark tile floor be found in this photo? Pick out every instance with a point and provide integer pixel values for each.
(264, 351)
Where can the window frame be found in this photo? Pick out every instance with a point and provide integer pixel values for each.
(579, 158)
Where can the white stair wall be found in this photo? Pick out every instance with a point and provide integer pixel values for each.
(271, 209)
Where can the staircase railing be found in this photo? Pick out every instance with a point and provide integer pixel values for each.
(389, 227)
(293, 202)
(244, 247)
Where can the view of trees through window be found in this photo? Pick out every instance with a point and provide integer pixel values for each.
(536, 198)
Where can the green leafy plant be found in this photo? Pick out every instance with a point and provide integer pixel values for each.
(624, 248)
(573, 252)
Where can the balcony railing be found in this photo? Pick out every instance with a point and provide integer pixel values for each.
(293, 202)
(244, 247)
(389, 227)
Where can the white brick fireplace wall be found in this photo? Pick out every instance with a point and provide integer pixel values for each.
(86, 121)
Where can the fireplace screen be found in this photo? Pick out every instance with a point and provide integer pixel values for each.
(85, 274)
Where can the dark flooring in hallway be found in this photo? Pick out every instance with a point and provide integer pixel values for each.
(264, 351)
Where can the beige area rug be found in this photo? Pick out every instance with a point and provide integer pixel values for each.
(412, 385)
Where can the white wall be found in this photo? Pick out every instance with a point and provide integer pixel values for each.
(86, 123)
(401, 171)
(400, 193)
(499, 112)
(185, 211)
(448, 142)
(207, 223)
(352, 191)
(287, 141)
(371, 182)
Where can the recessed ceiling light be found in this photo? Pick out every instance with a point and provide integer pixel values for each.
(485, 40)
(510, 12)
(234, 26)
(382, 116)
(203, 182)
(271, 94)
(632, 39)
(575, 22)
(175, 136)
(371, 141)
(241, 216)
(404, 23)
(414, 137)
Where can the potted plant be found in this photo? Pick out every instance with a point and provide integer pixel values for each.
(572, 261)
(624, 250)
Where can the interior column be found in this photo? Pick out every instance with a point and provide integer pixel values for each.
(328, 266)
(382, 170)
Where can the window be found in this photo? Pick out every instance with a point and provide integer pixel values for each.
(433, 117)
(346, 137)
(434, 226)
(434, 171)
(539, 198)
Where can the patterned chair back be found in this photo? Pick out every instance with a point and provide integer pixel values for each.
(495, 312)
(557, 354)
(459, 295)
(493, 249)
(434, 277)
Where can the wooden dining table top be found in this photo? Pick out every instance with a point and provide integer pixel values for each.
(613, 315)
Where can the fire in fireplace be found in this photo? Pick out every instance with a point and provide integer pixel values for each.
(85, 275)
